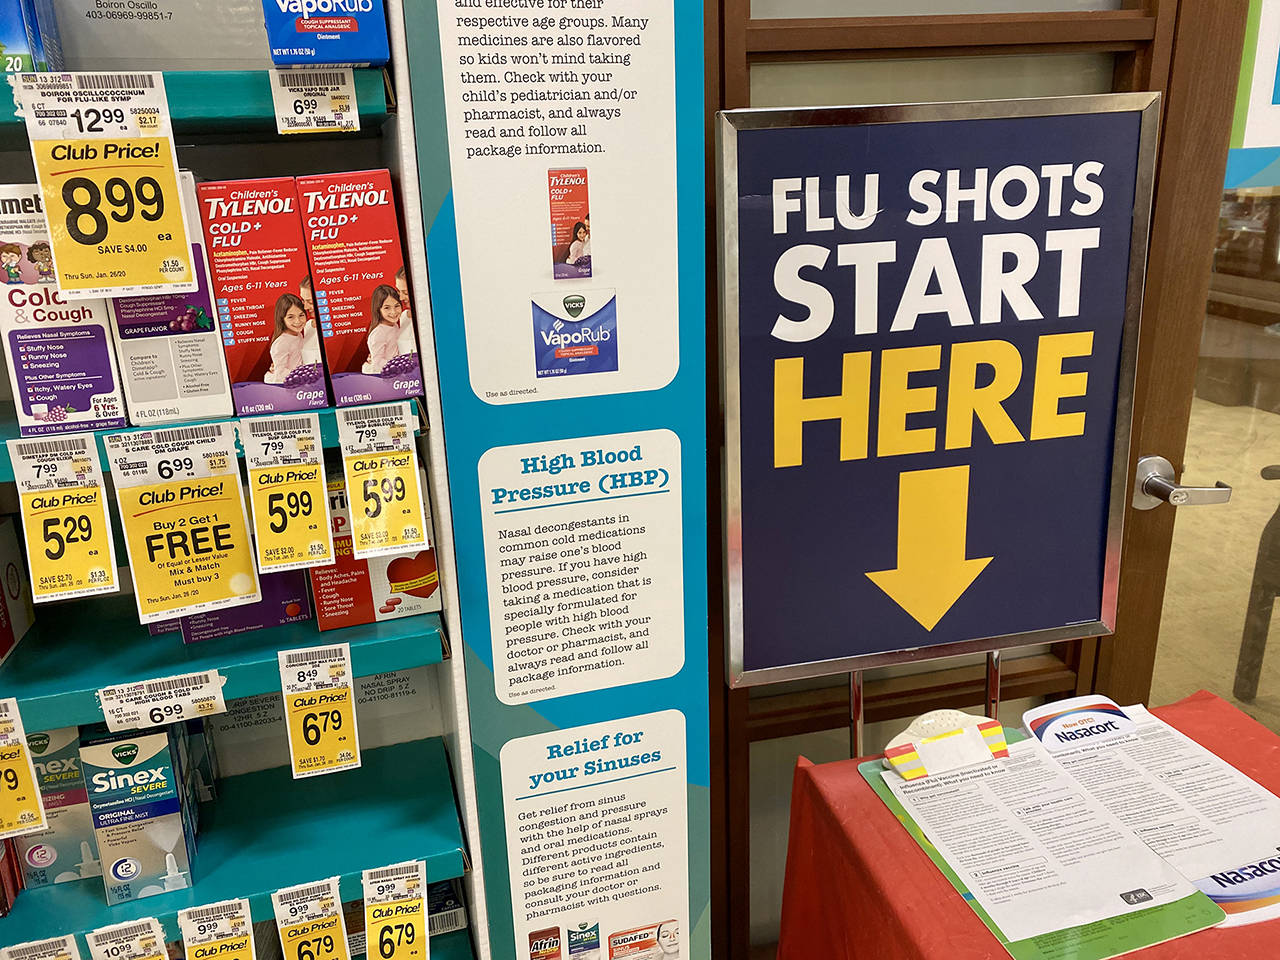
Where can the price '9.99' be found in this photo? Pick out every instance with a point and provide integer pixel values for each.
(87, 223)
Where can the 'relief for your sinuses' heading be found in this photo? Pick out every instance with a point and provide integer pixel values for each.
(349, 33)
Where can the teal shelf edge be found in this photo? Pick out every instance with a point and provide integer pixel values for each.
(267, 831)
(79, 647)
(213, 101)
(9, 431)
(452, 946)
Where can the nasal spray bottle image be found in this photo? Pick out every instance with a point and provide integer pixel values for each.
(137, 801)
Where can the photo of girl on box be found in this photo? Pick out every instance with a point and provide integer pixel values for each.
(286, 346)
(384, 328)
(311, 337)
(40, 254)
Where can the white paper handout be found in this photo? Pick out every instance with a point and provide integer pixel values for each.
(1217, 827)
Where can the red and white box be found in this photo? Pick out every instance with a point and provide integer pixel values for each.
(570, 202)
(352, 591)
(361, 288)
(263, 294)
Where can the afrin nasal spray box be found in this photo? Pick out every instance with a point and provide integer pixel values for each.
(67, 850)
(349, 33)
(361, 291)
(352, 591)
(262, 290)
(61, 362)
(570, 223)
(169, 347)
(136, 801)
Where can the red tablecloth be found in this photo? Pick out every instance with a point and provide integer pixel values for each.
(858, 886)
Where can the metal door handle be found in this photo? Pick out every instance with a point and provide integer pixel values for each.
(1155, 484)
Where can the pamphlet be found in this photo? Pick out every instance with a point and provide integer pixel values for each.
(1214, 825)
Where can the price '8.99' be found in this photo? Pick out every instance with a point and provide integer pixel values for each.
(88, 224)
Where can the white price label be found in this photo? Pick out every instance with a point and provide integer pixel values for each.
(135, 940)
(319, 708)
(151, 703)
(219, 930)
(70, 549)
(57, 948)
(310, 921)
(380, 462)
(395, 911)
(315, 101)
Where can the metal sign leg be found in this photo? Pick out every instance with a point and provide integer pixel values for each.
(993, 684)
(856, 745)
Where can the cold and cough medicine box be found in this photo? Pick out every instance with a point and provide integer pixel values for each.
(169, 347)
(351, 591)
(570, 223)
(361, 291)
(348, 33)
(262, 291)
(136, 799)
(66, 850)
(62, 366)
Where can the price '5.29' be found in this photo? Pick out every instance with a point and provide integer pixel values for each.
(126, 199)
(59, 531)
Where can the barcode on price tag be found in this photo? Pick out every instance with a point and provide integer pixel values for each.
(319, 708)
(151, 703)
(70, 549)
(380, 462)
(395, 911)
(315, 101)
(220, 930)
(309, 918)
(136, 940)
(57, 948)
(21, 805)
(288, 492)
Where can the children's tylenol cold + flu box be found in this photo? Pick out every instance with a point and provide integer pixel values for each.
(262, 289)
(62, 364)
(361, 291)
(169, 347)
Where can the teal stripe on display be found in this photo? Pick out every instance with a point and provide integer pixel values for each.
(267, 831)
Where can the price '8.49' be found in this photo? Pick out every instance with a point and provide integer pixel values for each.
(143, 197)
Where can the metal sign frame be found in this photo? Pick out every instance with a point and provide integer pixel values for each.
(728, 124)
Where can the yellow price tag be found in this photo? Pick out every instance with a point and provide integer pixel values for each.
(322, 731)
(20, 808)
(290, 519)
(396, 931)
(386, 503)
(323, 939)
(69, 543)
(188, 546)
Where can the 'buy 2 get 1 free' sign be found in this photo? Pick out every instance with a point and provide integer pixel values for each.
(928, 324)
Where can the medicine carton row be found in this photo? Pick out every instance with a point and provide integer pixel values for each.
(302, 301)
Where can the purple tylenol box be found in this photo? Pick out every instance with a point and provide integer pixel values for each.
(284, 600)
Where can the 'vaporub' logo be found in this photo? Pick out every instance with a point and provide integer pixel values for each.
(125, 753)
(577, 333)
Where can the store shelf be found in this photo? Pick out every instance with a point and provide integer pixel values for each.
(267, 831)
(452, 946)
(77, 648)
(9, 431)
(238, 101)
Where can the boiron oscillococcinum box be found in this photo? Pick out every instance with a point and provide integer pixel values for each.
(351, 591)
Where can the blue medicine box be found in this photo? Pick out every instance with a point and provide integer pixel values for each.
(348, 33)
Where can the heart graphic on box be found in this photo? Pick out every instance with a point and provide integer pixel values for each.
(417, 575)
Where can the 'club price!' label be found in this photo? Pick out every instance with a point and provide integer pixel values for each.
(64, 517)
(319, 709)
(395, 912)
(310, 922)
(21, 807)
(380, 461)
(288, 490)
(219, 931)
(184, 520)
(108, 173)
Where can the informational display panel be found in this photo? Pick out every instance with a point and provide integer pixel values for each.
(565, 230)
(930, 329)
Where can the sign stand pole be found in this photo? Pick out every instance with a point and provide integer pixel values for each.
(993, 684)
(855, 714)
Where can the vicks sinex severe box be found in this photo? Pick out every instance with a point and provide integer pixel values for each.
(169, 346)
(136, 800)
(66, 850)
(262, 285)
(348, 33)
(62, 365)
(361, 291)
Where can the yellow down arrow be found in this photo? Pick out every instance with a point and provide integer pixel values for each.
(933, 522)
